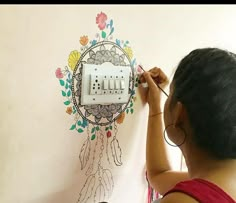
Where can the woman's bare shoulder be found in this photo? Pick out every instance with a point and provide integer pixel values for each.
(177, 197)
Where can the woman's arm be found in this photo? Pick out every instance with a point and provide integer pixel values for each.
(159, 171)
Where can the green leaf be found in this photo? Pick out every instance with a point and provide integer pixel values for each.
(107, 128)
(111, 23)
(110, 127)
(63, 93)
(112, 30)
(93, 130)
(127, 110)
(132, 110)
(72, 127)
(85, 123)
(66, 86)
(62, 82)
(104, 34)
(93, 137)
(136, 85)
(131, 104)
(68, 93)
(133, 62)
(97, 128)
(67, 102)
(80, 130)
(79, 123)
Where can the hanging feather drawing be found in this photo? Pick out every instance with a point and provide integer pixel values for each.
(97, 121)
(84, 153)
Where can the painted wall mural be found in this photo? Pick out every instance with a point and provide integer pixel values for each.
(98, 122)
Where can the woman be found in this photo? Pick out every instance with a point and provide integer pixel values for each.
(200, 118)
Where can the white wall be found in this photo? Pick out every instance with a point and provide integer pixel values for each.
(38, 154)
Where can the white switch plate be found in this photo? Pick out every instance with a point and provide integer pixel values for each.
(92, 72)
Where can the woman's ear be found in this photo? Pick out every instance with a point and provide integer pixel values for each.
(179, 114)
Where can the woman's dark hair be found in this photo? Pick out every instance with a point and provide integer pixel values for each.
(205, 82)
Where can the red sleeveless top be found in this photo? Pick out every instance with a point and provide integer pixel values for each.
(203, 191)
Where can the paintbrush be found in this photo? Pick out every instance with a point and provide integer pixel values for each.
(155, 83)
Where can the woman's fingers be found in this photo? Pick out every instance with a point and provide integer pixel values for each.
(157, 75)
(142, 78)
(149, 79)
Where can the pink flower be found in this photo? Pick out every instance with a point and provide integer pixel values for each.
(58, 73)
(139, 69)
(101, 20)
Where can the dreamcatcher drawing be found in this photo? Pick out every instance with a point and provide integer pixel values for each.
(98, 122)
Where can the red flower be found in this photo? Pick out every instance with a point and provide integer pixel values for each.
(101, 20)
(58, 73)
(108, 133)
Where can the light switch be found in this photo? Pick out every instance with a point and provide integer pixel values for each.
(117, 84)
(122, 84)
(111, 84)
(105, 84)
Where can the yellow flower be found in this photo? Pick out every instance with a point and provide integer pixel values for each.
(120, 118)
(84, 40)
(129, 52)
(73, 59)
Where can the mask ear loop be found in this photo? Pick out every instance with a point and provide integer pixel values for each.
(177, 145)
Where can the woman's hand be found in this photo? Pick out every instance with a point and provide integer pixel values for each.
(151, 94)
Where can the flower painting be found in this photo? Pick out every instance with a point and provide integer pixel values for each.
(98, 122)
